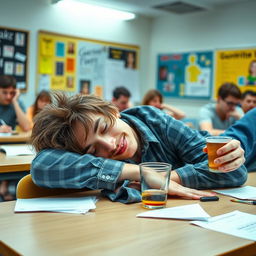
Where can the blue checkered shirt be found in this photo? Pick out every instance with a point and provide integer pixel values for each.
(164, 139)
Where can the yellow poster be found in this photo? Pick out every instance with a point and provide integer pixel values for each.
(45, 65)
(237, 66)
(46, 46)
(98, 91)
(58, 83)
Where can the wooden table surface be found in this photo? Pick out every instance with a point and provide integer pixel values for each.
(15, 163)
(21, 137)
(113, 229)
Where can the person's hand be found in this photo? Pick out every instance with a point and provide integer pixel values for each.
(231, 156)
(16, 96)
(5, 128)
(176, 189)
(234, 114)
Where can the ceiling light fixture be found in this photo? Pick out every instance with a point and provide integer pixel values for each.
(95, 10)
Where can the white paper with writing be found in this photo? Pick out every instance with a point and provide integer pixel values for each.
(235, 223)
(247, 192)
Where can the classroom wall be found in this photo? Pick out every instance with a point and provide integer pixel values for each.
(34, 15)
(230, 27)
(233, 26)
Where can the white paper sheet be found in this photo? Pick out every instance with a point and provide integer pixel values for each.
(67, 204)
(185, 212)
(247, 192)
(235, 223)
(16, 150)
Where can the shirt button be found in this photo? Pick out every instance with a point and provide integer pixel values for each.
(103, 176)
(107, 177)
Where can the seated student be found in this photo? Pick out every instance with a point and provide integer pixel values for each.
(84, 142)
(248, 101)
(121, 98)
(12, 110)
(42, 99)
(217, 117)
(155, 98)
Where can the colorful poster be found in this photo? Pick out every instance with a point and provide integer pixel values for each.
(14, 55)
(237, 66)
(70, 64)
(60, 49)
(187, 75)
(121, 70)
(45, 65)
(46, 47)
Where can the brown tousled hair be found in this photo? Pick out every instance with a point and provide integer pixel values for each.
(54, 124)
(150, 95)
(43, 95)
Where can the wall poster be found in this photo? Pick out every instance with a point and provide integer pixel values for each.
(185, 75)
(14, 55)
(237, 66)
(95, 67)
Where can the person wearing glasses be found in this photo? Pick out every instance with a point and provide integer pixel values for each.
(217, 117)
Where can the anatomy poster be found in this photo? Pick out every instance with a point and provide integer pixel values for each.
(185, 75)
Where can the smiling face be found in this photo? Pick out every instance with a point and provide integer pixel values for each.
(118, 141)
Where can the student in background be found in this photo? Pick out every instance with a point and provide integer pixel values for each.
(42, 99)
(84, 141)
(217, 117)
(121, 98)
(248, 101)
(251, 78)
(155, 98)
(12, 110)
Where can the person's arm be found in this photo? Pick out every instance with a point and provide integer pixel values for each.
(62, 169)
(22, 119)
(207, 126)
(176, 113)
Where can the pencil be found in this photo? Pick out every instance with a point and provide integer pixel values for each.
(244, 201)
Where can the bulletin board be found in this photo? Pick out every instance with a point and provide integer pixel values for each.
(14, 55)
(185, 75)
(71, 63)
(236, 65)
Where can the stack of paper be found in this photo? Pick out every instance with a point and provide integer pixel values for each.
(185, 212)
(16, 150)
(67, 204)
(246, 193)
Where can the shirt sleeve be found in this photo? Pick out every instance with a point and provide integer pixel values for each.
(189, 144)
(55, 168)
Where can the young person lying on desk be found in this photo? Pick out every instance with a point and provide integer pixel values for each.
(83, 141)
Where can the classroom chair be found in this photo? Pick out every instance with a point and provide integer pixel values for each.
(26, 188)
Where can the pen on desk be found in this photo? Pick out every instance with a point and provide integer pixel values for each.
(244, 201)
(2, 122)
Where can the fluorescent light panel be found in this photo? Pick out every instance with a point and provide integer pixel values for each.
(95, 11)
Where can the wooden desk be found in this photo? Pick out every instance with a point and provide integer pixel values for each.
(112, 229)
(21, 137)
(15, 163)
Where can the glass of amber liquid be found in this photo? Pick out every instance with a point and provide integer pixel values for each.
(155, 178)
(213, 143)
